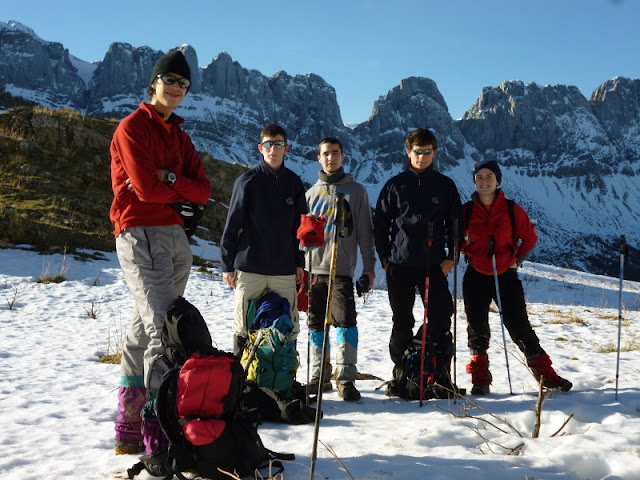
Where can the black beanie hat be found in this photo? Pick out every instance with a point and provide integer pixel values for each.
(171, 62)
(491, 165)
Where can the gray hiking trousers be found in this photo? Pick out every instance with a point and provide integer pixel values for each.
(156, 262)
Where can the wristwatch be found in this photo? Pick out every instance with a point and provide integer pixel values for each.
(171, 178)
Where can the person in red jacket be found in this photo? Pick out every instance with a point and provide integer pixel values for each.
(490, 219)
(155, 171)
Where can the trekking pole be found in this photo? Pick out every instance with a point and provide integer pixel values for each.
(623, 257)
(455, 301)
(425, 320)
(492, 254)
(338, 226)
(309, 287)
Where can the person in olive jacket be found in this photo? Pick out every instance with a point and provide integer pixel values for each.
(408, 205)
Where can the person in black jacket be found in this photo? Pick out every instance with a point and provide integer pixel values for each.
(408, 204)
(259, 247)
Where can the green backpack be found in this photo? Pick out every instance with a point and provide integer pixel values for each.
(275, 361)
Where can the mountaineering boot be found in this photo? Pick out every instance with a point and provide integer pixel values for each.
(348, 392)
(313, 386)
(397, 386)
(481, 377)
(542, 370)
(124, 448)
(315, 381)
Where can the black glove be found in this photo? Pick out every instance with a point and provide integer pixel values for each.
(188, 209)
(191, 214)
(362, 285)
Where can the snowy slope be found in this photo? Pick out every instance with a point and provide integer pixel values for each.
(58, 403)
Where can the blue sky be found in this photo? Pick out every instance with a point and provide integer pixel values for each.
(364, 48)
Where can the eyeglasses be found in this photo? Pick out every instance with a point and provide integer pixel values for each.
(428, 151)
(170, 79)
(273, 143)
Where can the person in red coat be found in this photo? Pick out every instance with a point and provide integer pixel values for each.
(500, 227)
(155, 172)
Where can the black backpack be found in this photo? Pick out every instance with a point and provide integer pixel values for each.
(436, 378)
(198, 407)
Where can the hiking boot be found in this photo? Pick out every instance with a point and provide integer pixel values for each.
(124, 448)
(481, 377)
(348, 392)
(395, 389)
(542, 370)
(313, 386)
(481, 389)
(436, 391)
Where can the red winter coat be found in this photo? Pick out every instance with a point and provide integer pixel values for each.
(141, 145)
(495, 221)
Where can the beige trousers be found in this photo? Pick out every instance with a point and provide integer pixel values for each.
(251, 286)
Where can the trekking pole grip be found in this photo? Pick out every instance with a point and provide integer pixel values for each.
(429, 245)
(492, 246)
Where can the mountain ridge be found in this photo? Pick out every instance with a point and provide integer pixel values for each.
(571, 161)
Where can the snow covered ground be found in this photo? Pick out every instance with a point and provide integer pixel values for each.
(58, 404)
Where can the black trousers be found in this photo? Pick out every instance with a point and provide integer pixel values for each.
(402, 283)
(343, 304)
(477, 291)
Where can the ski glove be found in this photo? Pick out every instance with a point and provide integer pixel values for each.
(303, 292)
(191, 213)
(311, 232)
(362, 285)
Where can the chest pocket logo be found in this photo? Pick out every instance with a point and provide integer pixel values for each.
(289, 201)
(435, 200)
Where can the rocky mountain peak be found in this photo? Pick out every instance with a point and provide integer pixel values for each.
(616, 104)
(562, 155)
(528, 124)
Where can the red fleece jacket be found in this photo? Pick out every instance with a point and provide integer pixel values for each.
(495, 221)
(141, 145)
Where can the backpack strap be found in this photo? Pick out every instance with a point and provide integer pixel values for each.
(166, 416)
(179, 456)
(273, 462)
(512, 218)
(467, 208)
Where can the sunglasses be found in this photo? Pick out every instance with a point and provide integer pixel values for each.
(428, 151)
(170, 79)
(273, 143)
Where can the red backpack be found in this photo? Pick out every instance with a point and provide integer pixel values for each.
(198, 408)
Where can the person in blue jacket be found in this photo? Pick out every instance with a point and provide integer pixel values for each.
(259, 247)
(408, 203)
